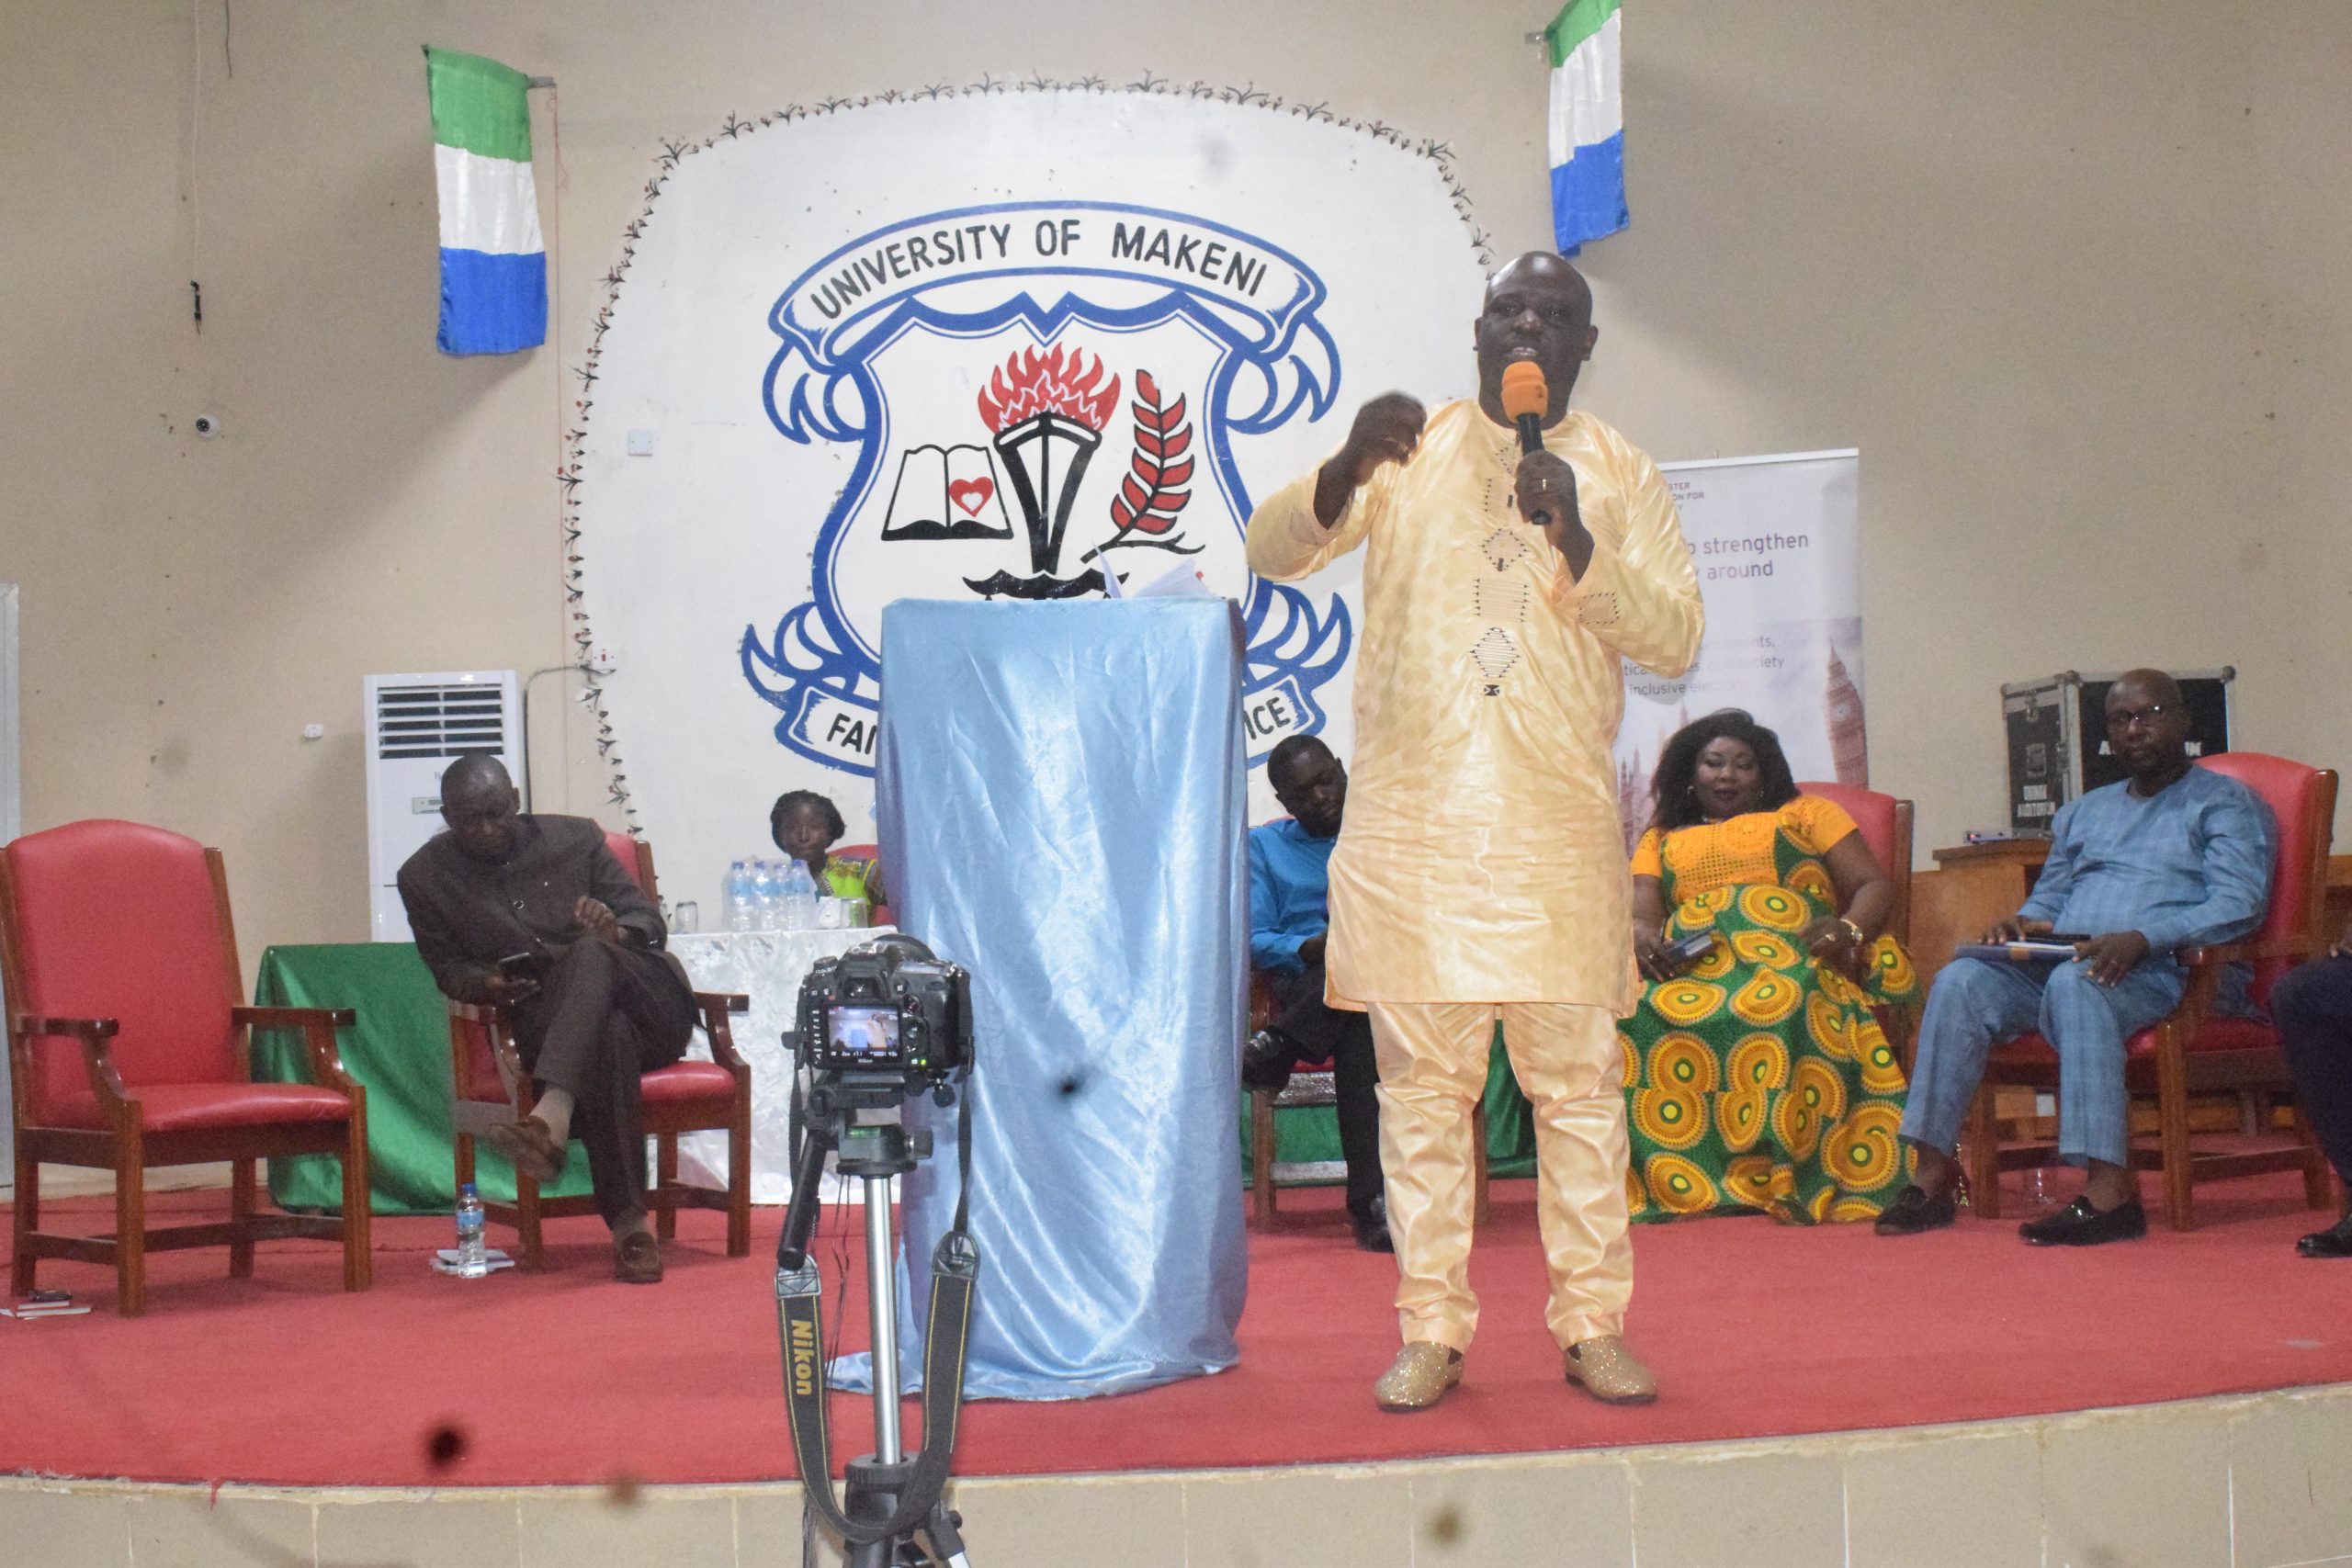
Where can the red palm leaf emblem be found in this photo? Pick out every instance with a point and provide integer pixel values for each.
(1153, 491)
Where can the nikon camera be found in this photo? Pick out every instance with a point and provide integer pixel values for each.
(888, 1009)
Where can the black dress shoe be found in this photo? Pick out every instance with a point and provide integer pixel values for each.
(1913, 1212)
(1266, 1062)
(1372, 1227)
(2079, 1225)
(2334, 1242)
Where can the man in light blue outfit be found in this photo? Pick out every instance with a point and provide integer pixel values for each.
(1289, 918)
(2175, 856)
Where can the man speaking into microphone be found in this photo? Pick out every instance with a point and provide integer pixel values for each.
(1514, 551)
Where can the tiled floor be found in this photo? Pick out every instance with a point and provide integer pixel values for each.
(2261, 1481)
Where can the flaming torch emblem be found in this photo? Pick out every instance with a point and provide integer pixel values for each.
(1047, 410)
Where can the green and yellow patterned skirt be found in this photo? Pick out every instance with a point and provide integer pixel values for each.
(1758, 1080)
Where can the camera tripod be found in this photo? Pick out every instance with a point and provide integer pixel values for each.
(886, 1498)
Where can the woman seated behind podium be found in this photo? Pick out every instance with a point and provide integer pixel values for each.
(804, 825)
(1758, 1078)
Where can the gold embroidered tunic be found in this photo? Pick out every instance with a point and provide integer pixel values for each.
(1481, 860)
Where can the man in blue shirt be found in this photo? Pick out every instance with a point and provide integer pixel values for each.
(1289, 917)
(2175, 856)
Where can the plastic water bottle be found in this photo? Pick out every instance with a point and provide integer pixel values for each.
(800, 898)
(765, 916)
(742, 910)
(473, 1261)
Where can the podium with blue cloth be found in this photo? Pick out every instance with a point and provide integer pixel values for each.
(1062, 801)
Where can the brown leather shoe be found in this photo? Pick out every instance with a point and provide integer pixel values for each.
(1609, 1371)
(1420, 1376)
(529, 1148)
(637, 1258)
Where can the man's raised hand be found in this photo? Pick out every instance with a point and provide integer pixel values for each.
(1387, 430)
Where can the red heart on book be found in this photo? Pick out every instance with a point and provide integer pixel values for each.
(971, 494)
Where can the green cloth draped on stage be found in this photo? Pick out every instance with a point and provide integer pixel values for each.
(1311, 1132)
(399, 1049)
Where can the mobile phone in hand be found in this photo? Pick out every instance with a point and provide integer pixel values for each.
(1681, 954)
(521, 966)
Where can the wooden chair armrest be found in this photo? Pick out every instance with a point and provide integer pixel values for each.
(96, 1059)
(294, 1018)
(318, 1026)
(89, 1031)
(715, 1006)
(2248, 950)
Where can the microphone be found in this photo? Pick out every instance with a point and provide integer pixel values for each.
(1525, 400)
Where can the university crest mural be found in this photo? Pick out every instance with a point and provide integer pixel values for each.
(1009, 341)
(1043, 402)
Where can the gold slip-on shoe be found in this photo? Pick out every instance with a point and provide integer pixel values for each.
(1420, 1376)
(1609, 1371)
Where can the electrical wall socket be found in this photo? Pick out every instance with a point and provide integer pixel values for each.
(602, 660)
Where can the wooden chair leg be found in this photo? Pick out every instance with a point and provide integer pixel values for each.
(527, 1222)
(1261, 1154)
(2172, 1122)
(359, 1205)
(665, 1179)
(241, 1216)
(1983, 1155)
(1478, 1154)
(739, 1178)
(26, 1220)
(131, 1225)
(2319, 1178)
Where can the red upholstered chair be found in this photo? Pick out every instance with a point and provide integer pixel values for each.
(489, 1085)
(129, 1049)
(2192, 1052)
(1884, 823)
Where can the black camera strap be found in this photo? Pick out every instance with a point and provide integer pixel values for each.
(955, 1272)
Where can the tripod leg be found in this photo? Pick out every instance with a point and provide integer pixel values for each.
(943, 1528)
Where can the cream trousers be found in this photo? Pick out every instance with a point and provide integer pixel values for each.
(1433, 1061)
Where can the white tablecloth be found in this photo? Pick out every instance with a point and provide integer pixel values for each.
(768, 967)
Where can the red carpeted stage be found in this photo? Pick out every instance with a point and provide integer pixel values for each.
(1756, 1330)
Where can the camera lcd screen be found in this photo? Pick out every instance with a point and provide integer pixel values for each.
(867, 1032)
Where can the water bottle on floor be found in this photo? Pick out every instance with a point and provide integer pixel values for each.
(741, 912)
(799, 897)
(473, 1259)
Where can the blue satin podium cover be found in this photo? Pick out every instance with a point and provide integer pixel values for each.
(1062, 806)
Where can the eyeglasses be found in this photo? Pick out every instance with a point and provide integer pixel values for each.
(2124, 718)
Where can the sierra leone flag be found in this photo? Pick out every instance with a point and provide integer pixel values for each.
(493, 263)
(1588, 129)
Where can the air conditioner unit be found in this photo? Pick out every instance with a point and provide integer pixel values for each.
(416, 725)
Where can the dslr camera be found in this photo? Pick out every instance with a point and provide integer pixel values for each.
(888, 1010)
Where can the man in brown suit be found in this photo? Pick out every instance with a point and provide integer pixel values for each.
(534, 913)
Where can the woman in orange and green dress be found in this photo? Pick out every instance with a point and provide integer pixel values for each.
(1759, 1080)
